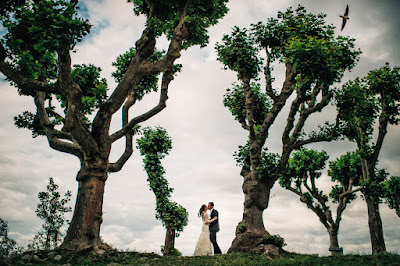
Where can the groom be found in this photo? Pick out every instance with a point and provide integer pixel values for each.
(214, 227)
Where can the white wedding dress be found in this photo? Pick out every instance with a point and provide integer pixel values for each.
(203, 246)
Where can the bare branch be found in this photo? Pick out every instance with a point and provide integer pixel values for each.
(279, 102)
(166, 79)
(304, 114)
(268, 78)
(346, 193)
(291, 116)
(382, 130)
(51, 133)
(117, 166)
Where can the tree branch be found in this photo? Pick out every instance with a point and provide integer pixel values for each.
(117, 166)
(382, 130)
(21, 80)
(279, 102)
(268, 78)
(305, 113)
(166, 79)
(51, 133)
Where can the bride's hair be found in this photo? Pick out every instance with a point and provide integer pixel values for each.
(201, 211)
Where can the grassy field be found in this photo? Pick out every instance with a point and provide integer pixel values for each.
(133, 258)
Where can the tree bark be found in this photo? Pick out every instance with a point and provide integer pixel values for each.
(169, 240)
(333, 239)
(250, 231)
(84, 230)
(375, 226)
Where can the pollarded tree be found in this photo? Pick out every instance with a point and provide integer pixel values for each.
(154, 145)
(51, 210)
(303, 170)
(35, 56)
(363, 103)
(314, 59)
(391, 192)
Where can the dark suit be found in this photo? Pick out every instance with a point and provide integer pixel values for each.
(214, 228)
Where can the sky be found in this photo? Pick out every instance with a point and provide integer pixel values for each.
(200, 166)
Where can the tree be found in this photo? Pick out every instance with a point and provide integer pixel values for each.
(314, 59)
(154, 145)
(392, 193)
(38, 39)
(363, 103)
(304, 168)
(7, 245)
(51, 210)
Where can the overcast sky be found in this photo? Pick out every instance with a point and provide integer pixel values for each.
(200, 166)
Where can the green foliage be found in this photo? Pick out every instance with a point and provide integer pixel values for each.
(146, 84)
(304, 40)
(51, 210)
(304, 164)
(374, 186)
(45, 26)
(7, 245)
(153, 146)
(358, 108)
(385, 82)
(345, 168)
(172, 252)
(234, 100)
(239, 53)
(94, 94)
(275, 240)
(35, 31)
(392, 193)
(268, 161)
(31, 121)
(94, 89)
(362, 101)
(163, 17)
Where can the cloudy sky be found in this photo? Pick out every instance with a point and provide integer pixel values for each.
(200, 166)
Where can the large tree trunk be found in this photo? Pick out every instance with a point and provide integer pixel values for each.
(84, 230)
(375, 226)
(169, 240)
(250, 231)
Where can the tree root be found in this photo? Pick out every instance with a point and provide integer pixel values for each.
(252, 242)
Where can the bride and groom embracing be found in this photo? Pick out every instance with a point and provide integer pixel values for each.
(208, 231)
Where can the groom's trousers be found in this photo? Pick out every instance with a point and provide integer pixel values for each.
(213, 239)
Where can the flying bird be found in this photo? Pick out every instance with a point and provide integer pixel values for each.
(345, 17)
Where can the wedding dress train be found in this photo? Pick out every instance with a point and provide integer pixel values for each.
(203, 246)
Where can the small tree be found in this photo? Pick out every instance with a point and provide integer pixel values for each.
(303, 170)
(314, 59)
(51, 210)
(7, 245)
(363, 103)
(154, 145)
(391, 190)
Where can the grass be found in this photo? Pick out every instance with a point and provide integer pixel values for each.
(134, 258)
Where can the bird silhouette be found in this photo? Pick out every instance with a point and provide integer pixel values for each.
(345, 17)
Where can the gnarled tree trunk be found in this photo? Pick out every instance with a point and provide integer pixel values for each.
(250, 231)
(84, 230)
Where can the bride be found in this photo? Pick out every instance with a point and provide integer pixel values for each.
(203, 246)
